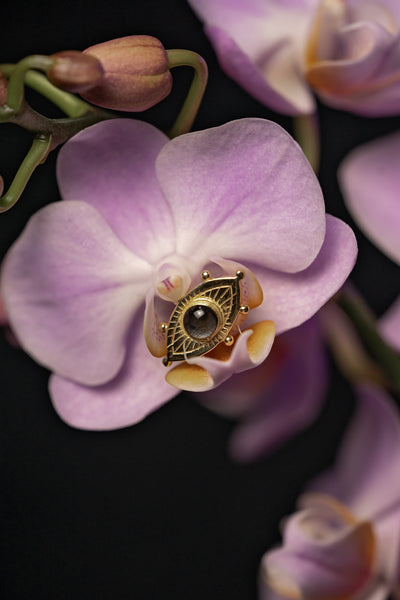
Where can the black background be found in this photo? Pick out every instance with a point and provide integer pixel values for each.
(157, 510)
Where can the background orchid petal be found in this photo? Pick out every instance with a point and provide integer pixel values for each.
(362, 48)
(290, 399)
(71, 289)
(365, 477)
(294, 99)
(260, 45)
(291, 299)
(245, 176)
(337, 566)
(138, 389)
(389, 325)
(111, 166)
(386, 13)
(370, 181)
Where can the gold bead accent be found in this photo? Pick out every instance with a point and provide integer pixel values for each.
(229, 340)
(205, 275)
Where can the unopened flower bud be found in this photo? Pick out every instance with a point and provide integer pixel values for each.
(136, 74)
(3, 89)
(75, 71)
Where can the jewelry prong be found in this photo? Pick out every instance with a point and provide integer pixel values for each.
(229, 340)
(163, 327)
(239, 274)
(166, 362)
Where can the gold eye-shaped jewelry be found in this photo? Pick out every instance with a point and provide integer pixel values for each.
(203, 318)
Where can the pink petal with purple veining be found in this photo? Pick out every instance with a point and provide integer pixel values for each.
(111, 165)
(243, 191)
(71, 290)
(138, 389)
(290, 299)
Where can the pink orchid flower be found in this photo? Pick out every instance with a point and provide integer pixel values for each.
(278, 398)
(281, 51)
(93, 280)
(370, 181)
(344, 542)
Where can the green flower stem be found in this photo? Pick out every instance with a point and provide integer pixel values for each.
(49, 133)
(37, 154)
(16, 82)
(365, 324)
(306, 132)
(188, 112)
(71, 105)
(346, 347)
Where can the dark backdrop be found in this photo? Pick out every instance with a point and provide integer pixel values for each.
(157, 510)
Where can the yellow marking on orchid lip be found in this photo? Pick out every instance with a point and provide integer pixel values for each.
(263, 335)
(317, 499)
(192, 378)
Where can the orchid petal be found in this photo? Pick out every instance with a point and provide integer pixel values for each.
(111, 166)
(259, 45)
(362, 47)
(71, 290)
(365, 477)
(290, 399)
(247, 175)
(291, 99)
(324, 556)
(138, 389)
(389, 325)
(291, 299)
(370, 180)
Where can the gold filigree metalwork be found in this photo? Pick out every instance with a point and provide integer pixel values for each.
(203, 318)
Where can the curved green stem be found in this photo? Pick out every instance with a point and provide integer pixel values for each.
(37, 154)
(68, 103)
(365, 325)
(15, 89)
(346, 347)
(306, 132)
(188, 112)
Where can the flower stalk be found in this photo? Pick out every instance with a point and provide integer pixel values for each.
(48, 133)
(188, 112)
(365, 325)
(306, 132)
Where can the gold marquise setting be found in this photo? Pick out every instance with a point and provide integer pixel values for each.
(203, 318)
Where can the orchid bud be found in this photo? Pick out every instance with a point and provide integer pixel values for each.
(74, 71)
(3, 89)
(136, 74)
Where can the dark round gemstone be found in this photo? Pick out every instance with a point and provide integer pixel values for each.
(200, 322)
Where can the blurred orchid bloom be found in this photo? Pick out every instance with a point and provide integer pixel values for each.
(370, 181)
(344, 542)
(92, 280)
(281, 51)
(278, 398)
